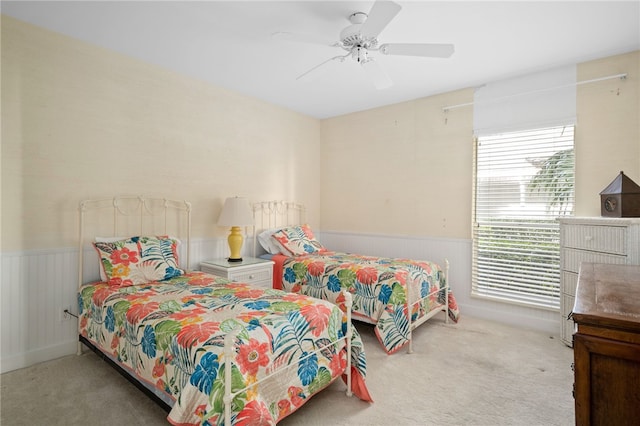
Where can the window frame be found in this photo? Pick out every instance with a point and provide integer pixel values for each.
(485, 267)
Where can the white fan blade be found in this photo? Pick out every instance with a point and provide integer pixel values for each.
(418, 49)
(313, 71)
(380, 15)
(302, 38)
(375, 72)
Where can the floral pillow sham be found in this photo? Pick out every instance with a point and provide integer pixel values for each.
(138, 260)
(297, 240)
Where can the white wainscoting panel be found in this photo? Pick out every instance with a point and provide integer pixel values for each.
(35, 287)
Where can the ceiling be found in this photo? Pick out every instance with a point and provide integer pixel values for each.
(231, 43)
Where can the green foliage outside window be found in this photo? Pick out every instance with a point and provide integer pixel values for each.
(556, 179)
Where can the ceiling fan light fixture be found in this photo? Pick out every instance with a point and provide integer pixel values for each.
(360, 54)
(376, 74)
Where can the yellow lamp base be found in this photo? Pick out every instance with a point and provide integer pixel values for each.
(235, 244)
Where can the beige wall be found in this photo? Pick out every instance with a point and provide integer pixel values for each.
(406, 169)
(82, 122)
(608, 129)
(397, 169)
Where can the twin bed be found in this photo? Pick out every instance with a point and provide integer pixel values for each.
(397, 295)
(211, 351)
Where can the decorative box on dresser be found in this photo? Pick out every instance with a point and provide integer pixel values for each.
(607, 345)
(597, 240)
(251, 270)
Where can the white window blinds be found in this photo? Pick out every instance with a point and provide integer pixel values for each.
(523, 182)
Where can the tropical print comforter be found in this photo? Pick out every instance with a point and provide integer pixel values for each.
(170, 335)
(379, 287)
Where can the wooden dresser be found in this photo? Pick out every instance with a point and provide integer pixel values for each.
(597, 240)
(607, 345)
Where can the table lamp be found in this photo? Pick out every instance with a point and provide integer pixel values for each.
(236, 212)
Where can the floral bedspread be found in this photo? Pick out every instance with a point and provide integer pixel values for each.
(379, 287)
(170, 334)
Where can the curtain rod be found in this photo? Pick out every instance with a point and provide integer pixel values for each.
(579, 83)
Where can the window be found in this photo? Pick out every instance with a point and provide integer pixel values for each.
(523, 182)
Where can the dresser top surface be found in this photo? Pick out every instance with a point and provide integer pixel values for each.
(608, 295)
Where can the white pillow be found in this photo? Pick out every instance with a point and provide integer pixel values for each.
(267, 242)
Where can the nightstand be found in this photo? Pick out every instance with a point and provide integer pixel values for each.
(258, 272)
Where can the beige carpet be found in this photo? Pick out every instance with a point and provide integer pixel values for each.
(475, 372)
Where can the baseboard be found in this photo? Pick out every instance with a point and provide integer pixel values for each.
(30, 358)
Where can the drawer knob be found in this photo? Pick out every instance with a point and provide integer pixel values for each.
(250, 277)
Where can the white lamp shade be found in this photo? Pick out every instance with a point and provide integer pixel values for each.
(236, 212)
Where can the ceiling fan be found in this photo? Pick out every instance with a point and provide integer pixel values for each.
(361, 38)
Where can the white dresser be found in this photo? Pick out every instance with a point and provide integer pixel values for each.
(596, 240)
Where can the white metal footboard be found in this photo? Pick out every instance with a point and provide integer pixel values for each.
(230, 351)
(428, 315)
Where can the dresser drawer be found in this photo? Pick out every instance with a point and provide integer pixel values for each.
(569, 283)
(251, 277)
(608, 239)
(572, 258)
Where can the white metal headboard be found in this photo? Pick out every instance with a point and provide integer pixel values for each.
(275, 214)
(127, 216)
